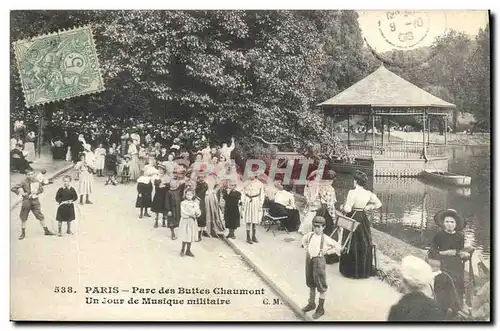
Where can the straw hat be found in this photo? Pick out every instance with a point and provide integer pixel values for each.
(441, 215)
(416, 271)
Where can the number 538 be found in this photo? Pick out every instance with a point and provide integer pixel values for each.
(63, 289)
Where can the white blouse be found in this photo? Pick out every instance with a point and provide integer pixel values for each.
(132, 149)
(285, 198)
(359, 198)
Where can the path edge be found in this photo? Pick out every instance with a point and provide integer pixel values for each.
(288, 301)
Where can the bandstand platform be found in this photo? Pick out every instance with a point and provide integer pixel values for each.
(379, 97)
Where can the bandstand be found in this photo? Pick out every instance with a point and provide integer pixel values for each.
(380, 96)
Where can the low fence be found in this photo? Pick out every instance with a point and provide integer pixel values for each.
(395, 150)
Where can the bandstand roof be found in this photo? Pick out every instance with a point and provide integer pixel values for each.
(384, 89)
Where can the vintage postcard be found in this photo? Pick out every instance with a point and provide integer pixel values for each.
(270, 165)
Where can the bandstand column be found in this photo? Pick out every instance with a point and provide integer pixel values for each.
(331, 124)
(423, 128)
(445, 130)
(348, 128)
(373, 132)
(382, 128)
(428, 130)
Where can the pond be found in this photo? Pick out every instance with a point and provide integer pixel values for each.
(409, 204)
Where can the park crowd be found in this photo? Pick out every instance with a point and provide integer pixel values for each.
(206, 205)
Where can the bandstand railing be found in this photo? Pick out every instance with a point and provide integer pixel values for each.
(395, 149)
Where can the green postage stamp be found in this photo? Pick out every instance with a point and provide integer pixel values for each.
(58, 66)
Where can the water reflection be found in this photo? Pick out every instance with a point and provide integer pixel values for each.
(409, 204)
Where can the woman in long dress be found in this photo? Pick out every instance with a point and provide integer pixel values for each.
(135, 171)
(357, 263)
(29, 147)
(100, 155)
(215, 225)
(321, 199)
(85, 171)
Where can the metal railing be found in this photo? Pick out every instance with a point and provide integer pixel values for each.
(395, 149)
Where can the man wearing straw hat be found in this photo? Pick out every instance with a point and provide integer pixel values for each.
(415, 306)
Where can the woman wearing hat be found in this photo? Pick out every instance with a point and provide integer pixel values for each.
(357, 263)
(447, 247)
(135, 171)
(321, 196)
(415, 306)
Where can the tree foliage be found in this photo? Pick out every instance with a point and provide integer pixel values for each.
(455, 69)
(235, 73)
(240, 73)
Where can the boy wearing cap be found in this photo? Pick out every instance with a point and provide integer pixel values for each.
(317, 244)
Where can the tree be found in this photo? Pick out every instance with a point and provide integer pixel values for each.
(447, 67)
(230, 73)
(477, 79)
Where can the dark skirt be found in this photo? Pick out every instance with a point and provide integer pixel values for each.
(453, 266)
(158, 205)
(232, 217)
(173, 205)
(65, 213)
(358, 262)
(59, 153)
(202, 220)
(292, 221)
(323, 211)
(143, 201)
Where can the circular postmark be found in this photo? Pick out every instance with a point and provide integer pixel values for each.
(404, 28)
(402, 38)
